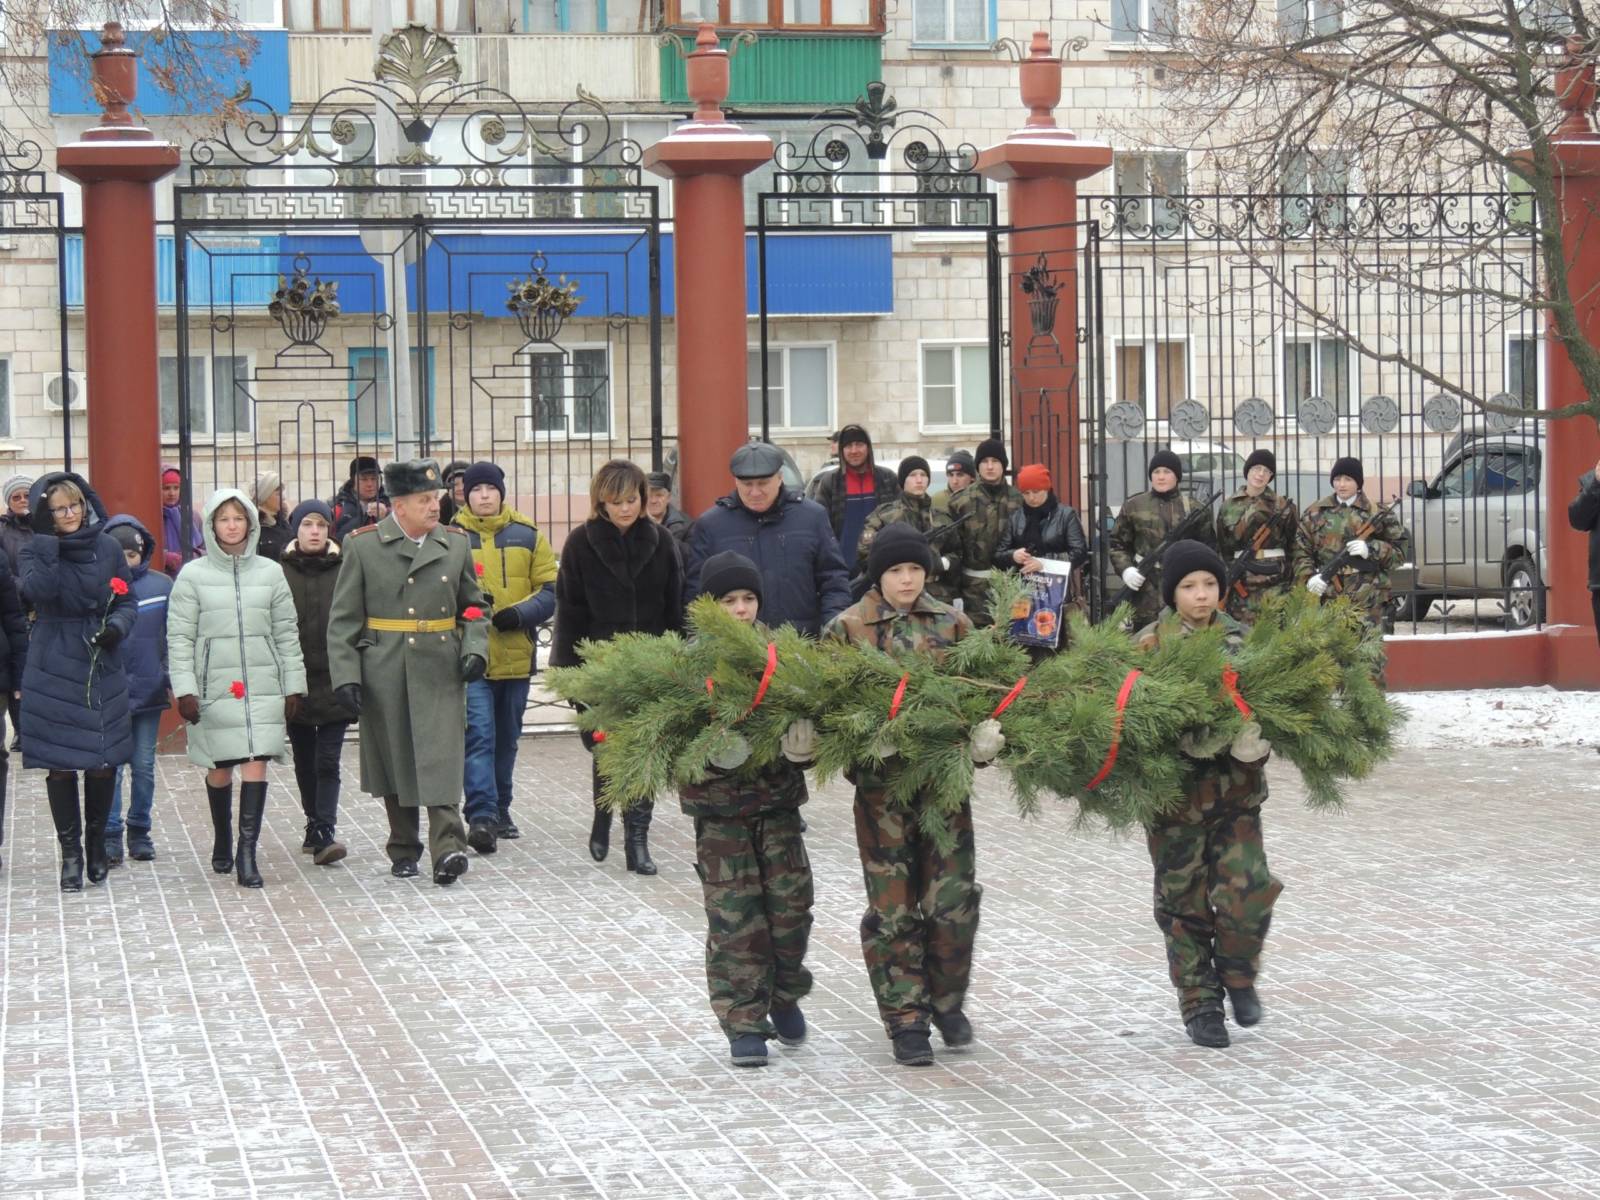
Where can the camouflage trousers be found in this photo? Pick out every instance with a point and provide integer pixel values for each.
(758, 895)
(922, 912)
(1213, 902)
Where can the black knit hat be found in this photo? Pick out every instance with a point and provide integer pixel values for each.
(915, 463)
(729, 572)
(484, 472)
(1167, 459)
(1184, 558)
(896, 544)
(453, 468)
(991, 448)
(127, 537)
(1350, 467)
(307, 508)
(1262, 458)
(851, 434)
(963, 460)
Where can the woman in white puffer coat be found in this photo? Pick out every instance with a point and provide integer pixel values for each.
(233, 653)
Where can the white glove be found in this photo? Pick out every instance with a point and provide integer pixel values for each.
(959, 604)
(944, 563)
(1250, 746)
(986, 741)
(1132, 578)
(800, 741)
(1317, 585)
(886, 749)
(731, 753)
(1358, 547)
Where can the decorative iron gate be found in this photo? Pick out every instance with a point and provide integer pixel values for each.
(417, 266)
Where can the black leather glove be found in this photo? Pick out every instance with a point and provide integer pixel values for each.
(472, 668)
(506, 619)
(43, 520)
(189, 709)
(291, 708)
(107, 638)
(349, 695)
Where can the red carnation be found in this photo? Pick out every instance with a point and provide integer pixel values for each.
(598, 736)
(237, 688)
(478, 567)
(471, 613)
(119, 587)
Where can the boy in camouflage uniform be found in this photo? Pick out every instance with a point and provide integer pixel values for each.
(1261, 525)
(1332, 525)
(1146, 518)
(751, 859)
(914, 507)
(990, 501)
(922, 903)
(1213, 891)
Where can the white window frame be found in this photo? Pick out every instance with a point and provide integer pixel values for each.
(923, 424)
(210, 436)
(8, 415)
(1350, 410)
(949, 41)
(1315, 11)
(1541, 366)
(1125, 38)
(1150, 342)
(782, 349)
(531, 431)
(131, 20)
(1147, 153)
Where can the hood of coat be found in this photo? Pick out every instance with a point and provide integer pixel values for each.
(326, 561)
(487, 527)
(122, 519)
(213, 550)
(93, 519)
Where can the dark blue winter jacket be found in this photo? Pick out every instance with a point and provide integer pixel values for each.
(803, 576)
(144, 655)
(71, 722)
(13, 632)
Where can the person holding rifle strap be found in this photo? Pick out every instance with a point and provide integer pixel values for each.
(1348, 545)
(1257, 531)
(1143, 529)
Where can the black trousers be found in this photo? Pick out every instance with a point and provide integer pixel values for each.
(316, 769)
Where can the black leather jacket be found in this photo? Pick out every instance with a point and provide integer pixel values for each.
(1060, 536)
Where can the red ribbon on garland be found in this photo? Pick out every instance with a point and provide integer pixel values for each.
(761, 688)
(1230, 683)
(899, 695)
(1116, 732)
(1010, 696)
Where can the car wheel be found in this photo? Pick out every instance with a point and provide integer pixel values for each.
(1411, 607)
(1524, 598)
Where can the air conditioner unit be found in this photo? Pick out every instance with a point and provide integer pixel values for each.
(69, 392)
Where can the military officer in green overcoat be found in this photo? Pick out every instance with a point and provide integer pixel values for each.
(406, 635)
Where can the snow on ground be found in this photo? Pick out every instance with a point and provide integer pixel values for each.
(1540, 716)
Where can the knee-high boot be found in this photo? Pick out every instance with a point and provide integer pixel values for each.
(252, 803)
(96, 810)
(63, 792)
(636, 832)
(600, 831)
(221, 800)
(5, 774)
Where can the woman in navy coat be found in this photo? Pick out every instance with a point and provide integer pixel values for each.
(74, 691)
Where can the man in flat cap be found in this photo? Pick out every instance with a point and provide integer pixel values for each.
(789, 538)
(406, 635)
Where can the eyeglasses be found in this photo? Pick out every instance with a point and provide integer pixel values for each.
(67, 510)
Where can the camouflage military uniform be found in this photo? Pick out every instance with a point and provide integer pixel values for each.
(751, 859)
(1213, 891)
(921, 514)
(922, 905)
(1238, 523)
(1325, 528)
(1145, 519)
(991, 506)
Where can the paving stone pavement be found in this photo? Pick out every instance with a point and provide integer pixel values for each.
(541, 1030)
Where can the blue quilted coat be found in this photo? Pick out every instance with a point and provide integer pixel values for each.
(71, 722)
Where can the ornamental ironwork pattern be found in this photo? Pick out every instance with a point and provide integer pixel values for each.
(1390, 216)
(1254, 418)
(851, 141)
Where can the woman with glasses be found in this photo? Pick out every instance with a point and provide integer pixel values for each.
(75, 713)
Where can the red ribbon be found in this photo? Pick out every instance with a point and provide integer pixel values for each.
(899, 695)
(761, 688)
(1010, 696)
(1116, 732)
(1230, 682)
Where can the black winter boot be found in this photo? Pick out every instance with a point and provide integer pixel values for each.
(63, 792)
(1246, 1005)
(140, 847)
(221, 800)
(635, 842)
(325, 848)
(1207, 1029)
(600, 831)
(5, 771)
(114, 850)
(97, 791)
(252, 802)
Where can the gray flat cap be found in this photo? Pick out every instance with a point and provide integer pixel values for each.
(756, 460)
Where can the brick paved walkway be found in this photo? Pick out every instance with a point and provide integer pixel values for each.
(541, 1030)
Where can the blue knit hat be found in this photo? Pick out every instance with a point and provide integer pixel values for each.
(305, 509)
(481, 473)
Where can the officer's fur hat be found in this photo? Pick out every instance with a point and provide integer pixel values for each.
(409, 478)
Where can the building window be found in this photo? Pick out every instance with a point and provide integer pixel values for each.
(147, 14)
(1153, 374)
(1143, 20)
(558, 16)
(5, 397)
(372, 399)
(1317, 366)
(571, 392)
(355, 16)
(1148, 178)
(1316, 183)
(1302, 19)
(781, 14)
(799, 388)
(955, 386)
(220, 403)
(1524, 370)
(950, 22)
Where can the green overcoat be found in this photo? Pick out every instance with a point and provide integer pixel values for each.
(413, 701)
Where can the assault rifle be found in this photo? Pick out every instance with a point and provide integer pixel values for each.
(1249, 561)
(860, 584)
(1177, 533)
(1345, 559)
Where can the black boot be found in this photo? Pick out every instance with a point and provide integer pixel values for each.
(635, 843)
(221, 800)
(97, 791)
(600, 834)
(5, 771)
(1207, 1029)
(252, 802)
(1246, 1005)
(140, 847)
(63, 792)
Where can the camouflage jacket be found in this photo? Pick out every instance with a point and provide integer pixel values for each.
(745, 792)
(1238, 522)
(1145, 519)
(1213, 787)
(920, 513)
(927, 627)
(991, 506)
(1325, 529)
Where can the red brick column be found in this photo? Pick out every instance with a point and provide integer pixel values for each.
(118, 163)
(707, 159)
